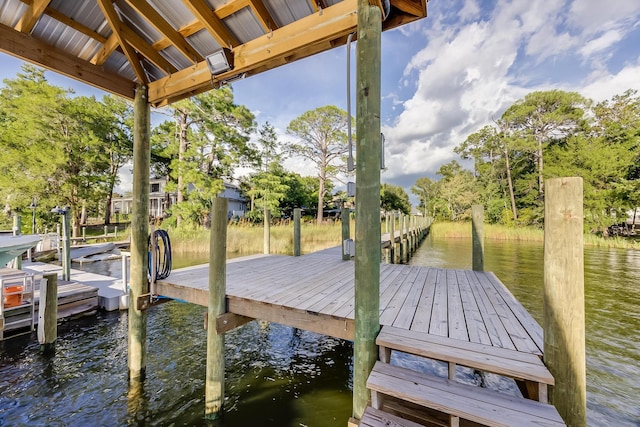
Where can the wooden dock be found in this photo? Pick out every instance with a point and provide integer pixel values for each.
(315, 292)
(461, 317)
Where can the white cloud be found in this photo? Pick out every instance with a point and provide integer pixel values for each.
(468, 73)
(601, 43)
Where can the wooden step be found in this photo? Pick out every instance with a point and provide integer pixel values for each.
(480, 405)
(373, 417)
(525, 367)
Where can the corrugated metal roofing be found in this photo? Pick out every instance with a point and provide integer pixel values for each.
(167, 41)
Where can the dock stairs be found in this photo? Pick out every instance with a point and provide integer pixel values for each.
(404, 397)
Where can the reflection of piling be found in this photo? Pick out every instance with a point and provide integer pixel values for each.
(564, 333)
(214, 383)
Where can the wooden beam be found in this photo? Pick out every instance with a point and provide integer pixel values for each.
(116, 26)
(31, 16)
(145, 49)
(75, 25)
(265, 52)
(108, 48)
(314, 322)
(164, 28)
(413, 7)
(211, 22)
(29, 49)
(263, 15)
(228, 321)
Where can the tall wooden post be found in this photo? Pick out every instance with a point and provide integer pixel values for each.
(346, 232)
(392, 237)
(17, 230)
(368, 147)
(267, 231)
(477, 231)
(48, 313)
(296, 231)
(564, 318)
(138, 283)
(214, 382)
(66, 245)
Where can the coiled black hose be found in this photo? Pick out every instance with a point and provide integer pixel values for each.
(163, 254)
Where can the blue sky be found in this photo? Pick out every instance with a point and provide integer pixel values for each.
(448, 75)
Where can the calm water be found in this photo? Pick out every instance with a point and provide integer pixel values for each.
(279, 376)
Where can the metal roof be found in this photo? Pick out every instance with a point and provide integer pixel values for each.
(115, 45)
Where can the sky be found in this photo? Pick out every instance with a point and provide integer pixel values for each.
(446, 76)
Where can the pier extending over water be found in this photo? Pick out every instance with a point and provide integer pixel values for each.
(461, 317)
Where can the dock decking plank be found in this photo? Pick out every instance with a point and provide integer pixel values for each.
(496, 330)
(456, 320)
(408, 310)
(422, 316)
(439, 321)
(475, 326)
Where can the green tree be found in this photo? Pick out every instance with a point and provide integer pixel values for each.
(393, 197)
(427, 192)
(542, 118)
(209, 139)
(323, 141)
(54, 147)
(266, 186)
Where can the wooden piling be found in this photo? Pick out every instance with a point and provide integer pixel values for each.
(368, 147)
(267, 232)
(346, 232)
(296, 231)
(17, 230)
(48, 313)
(214, 382)
(477, 231)
(564, 317)
(392, 237)
(66, 245)
(138, 283)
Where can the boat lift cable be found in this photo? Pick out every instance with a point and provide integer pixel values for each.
(162, 257)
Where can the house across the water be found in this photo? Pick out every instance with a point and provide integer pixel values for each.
(160, 200)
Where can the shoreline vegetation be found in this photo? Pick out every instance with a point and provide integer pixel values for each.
(248, 239)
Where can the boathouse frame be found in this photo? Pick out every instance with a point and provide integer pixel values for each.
(117, 57)
(154, 55)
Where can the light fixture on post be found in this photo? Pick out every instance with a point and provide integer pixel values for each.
(220, 61)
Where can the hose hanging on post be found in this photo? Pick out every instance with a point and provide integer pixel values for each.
(162, 255)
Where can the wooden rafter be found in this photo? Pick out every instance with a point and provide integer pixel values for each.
(412, 7)
(145, 49)
(263, 15)
(116, 26)
(29, 49)
(31, 16)
(163, 27)
(304, 37)
(211, 22)
(108, 48)
(74, 24)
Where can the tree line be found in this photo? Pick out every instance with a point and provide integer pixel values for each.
(544, 135)
(59, 149)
